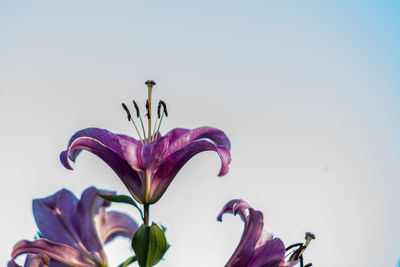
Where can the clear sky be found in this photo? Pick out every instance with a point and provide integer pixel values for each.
(307, 91)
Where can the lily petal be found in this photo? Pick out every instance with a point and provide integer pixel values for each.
(106, 146)
(144, 157)
(32, 260)
(217, 136)
(115, 224)
(89, 206)
(270, 254)
(101, 136)
(234, 207)
(251, 234)
(60, 252)
(171, 165)
(55, 217)
(175, 134)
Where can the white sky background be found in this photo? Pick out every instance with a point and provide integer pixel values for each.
(307, 92)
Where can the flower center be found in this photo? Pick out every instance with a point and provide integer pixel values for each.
(152, 133)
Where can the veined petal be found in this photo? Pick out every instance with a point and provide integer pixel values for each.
(251, 234)
(60, 252)
(175, 134)
(106, 146)
(270, 254)
(234, 207)
(32, 260)
(38, 260)
(89, 206)
(115, 224)
(171, 165)
(129, 139)
(132, 153)
(142, 157)
(55, 217)
(215, 135)
(101, 137)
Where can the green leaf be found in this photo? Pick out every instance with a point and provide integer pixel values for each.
(149, 244)
(128, 261)
(121, 199)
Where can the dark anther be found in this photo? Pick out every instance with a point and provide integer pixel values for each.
(159, 109)
(127, 111)
(294, 245)
(308, 265)
(164, 106)
(137, 109)
(150, 82)
(147, 108)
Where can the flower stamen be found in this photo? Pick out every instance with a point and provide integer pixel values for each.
(165, 111)
(131, 119)
(298, 253)
(140, 118)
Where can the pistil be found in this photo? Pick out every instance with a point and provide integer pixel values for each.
(150, 85)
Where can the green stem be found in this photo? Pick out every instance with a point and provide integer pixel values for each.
(146, 214)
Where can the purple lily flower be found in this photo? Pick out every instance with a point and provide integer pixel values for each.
(256, 247)
(33, 260)
(73, 231)
(147, 166)
(148, 169)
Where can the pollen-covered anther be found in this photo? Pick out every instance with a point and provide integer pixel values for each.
(127, 111)
(136, 108)
(147, 108)
(164, 106)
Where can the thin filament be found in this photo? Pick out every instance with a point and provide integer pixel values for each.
(144, 131)
(154, 129)
(158, 129)
(137, 130)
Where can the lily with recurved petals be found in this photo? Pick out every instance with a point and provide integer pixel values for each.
(257, 248)
(149, 164)
(72, 232)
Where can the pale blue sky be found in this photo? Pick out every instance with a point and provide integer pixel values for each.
(308, 93)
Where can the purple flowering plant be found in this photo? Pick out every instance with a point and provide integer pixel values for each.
(257, 247)
(72, 232)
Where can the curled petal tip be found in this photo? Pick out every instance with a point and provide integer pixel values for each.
(64, 160)
(225, 156)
